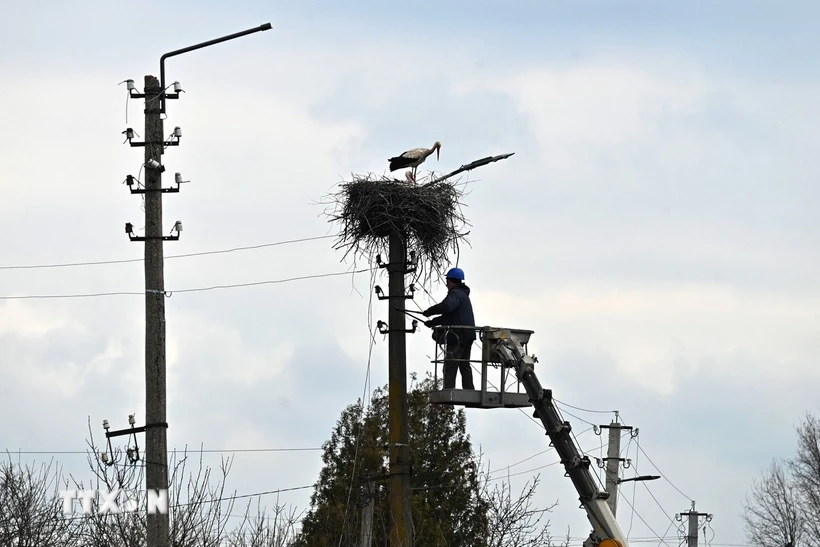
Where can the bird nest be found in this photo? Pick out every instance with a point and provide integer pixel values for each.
(426, 217)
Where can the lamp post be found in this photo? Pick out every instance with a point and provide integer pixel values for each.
(156, 443)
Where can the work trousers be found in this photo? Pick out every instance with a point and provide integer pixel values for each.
(457, 358)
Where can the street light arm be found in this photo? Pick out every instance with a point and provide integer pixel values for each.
(266, 26)
(640, 478)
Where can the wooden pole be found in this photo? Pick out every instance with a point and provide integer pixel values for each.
(156, 442)
(401, 529)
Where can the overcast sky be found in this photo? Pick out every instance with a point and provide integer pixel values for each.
(657, 227)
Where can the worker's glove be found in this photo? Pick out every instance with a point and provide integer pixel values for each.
(426, 313)
(429, 324)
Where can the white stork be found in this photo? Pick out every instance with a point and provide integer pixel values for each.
(413, 158)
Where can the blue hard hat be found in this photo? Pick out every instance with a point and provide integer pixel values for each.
(456, 273)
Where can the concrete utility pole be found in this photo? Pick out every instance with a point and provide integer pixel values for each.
(401, 530)
(613, 461)
(694, 516)
(366, 536)
(156, 442)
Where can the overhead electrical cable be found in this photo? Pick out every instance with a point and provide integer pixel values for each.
(186, 255)
(171, 292)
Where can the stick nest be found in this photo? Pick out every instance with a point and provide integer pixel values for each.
(427, 217)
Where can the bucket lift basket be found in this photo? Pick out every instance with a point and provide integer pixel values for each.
(497, 384)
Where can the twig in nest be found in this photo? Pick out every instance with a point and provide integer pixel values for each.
(427, 217)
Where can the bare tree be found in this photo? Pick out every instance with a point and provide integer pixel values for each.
(274, 528)
(31, 508)
(772, 512)
(805, 470)
(513, 520)
(201, 509)
(783, 507)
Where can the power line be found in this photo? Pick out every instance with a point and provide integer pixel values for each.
(242, 496)
(491, 478)
(530, 457)
(490, 474)
(666, 514)
(214, 450)
(125, 261)
(561, 412)
(365, 406)
(634, 487)
(642, 519)
(638, 444)
(230, 498)
(169, 293)
(649, 491)
(584, 409)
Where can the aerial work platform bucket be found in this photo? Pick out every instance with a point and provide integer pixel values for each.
(497, 382)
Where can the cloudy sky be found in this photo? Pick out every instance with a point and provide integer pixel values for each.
(657, 227)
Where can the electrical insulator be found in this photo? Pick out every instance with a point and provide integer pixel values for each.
(131, 419)
(154, 164)
(178, 88)
(130, 85)
(178, 132)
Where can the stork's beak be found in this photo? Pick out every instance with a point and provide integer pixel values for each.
(438, 150)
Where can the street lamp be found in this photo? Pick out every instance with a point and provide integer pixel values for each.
(177, 87)
(640, 478)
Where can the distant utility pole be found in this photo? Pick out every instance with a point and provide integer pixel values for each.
(366, 536)
(401, 528)
(613, 461)
(694, 524)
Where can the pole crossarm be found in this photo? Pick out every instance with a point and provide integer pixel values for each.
(129, 431)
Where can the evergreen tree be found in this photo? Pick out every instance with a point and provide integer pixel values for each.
(446, 506)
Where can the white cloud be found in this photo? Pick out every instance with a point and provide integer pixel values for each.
(658, 337)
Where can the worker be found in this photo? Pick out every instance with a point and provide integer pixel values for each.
(456, 309)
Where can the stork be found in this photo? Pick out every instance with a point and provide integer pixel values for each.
(413, 158)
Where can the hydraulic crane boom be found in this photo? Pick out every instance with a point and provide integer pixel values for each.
(605, 529)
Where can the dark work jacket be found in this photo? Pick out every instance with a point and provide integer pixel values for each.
(455, 309)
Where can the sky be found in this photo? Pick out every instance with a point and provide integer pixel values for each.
(656, 228)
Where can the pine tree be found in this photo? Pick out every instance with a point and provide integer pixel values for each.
(446, 506)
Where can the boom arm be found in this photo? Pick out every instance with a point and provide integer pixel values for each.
(604, 525)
